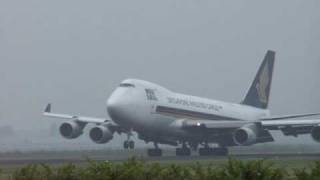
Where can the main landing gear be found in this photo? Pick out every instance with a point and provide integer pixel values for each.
(156, 152)
(128, 144)
(184, 151)
(219, 151)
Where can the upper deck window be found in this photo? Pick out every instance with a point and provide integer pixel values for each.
(126, 85)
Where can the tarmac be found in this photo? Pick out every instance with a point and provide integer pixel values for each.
(121, 158)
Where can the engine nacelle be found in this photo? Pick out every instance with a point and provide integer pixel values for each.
(315, 133)
(71, 130)
(101, 134)
(245, 136)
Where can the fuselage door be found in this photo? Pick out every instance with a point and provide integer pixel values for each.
(152, 98)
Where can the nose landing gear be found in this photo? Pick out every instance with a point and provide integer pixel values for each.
(129, 144)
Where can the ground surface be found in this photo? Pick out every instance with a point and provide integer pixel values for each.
(11, 161)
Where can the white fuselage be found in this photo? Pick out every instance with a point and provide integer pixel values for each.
(144, 106)
(162, 116)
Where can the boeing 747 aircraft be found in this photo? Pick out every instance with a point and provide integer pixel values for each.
(161, 116)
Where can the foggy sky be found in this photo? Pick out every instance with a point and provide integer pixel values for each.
(74, 53)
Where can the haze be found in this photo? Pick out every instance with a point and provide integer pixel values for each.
(74, 53)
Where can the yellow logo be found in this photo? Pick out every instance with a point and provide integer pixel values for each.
(263, 83)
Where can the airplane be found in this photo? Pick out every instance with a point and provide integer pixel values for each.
(189, 123)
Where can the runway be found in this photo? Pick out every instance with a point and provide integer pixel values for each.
(12, 161)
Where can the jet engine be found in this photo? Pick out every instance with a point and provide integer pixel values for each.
(71, 130)
(101, 134)
(245, 136)
(315, 133)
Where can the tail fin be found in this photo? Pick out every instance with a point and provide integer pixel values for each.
(259, 92)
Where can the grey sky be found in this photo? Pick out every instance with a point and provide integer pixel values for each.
(74, 53)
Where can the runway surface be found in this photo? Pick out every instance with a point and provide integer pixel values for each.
(165, 159)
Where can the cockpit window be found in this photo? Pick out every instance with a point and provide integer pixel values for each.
(127, 85)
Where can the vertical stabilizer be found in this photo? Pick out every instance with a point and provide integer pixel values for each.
(259, 92)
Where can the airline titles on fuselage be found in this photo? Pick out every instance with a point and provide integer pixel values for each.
(190, 103)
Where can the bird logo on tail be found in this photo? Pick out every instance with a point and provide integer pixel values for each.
(263, 84)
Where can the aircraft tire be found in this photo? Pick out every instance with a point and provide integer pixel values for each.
(206, 152)
(131, 144)
(126, 144)
(183, 152)
(154, 152)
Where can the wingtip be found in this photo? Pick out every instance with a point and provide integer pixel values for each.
(48, 108)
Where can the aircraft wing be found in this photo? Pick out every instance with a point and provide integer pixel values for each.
(281, 123)
(84, 119)
(209, 124)
(267, 124)
(292, 127)
(290, 116)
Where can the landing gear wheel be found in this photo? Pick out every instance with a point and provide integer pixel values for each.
(154, 152)
(131, 144)
(183, 152)
(126, 145)
(206, 152)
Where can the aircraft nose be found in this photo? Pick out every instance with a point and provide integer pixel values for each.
(122, 106)
(117, 105)
(113, 107)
